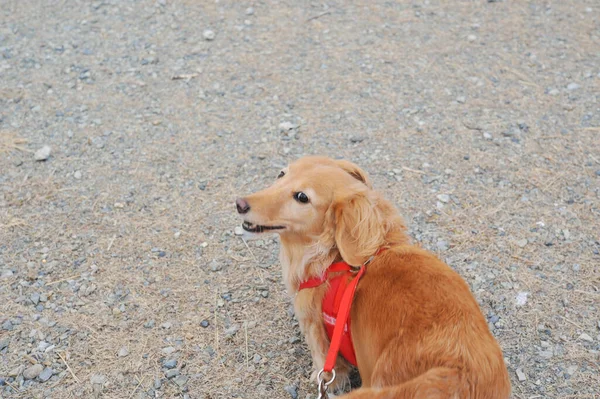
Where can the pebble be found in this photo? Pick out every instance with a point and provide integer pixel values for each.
(554, 92)
(7, 325)
(77, 175)
(573, 86)
(471, 38)
(149, 324)
(461, 99)
(292, 390)
(42, 154)
(521, 375)
(35, 298)
(215, 266)
(123, 352)
(99, 379)
(33, 371)
(586, 337)
(204, 323)
(170, 364)
(231, 331)
(157, 383)
(522, 243)
(487, 136)
(445, 198)
(3, 343)
(286, 126)
(598, 172)
(169, 350)
(238, 231)
(172, 373)
(46, 374)
(257, 358)
(166, 325)
(442, 245)
(181, 380)
(249, 11)
(209, 35)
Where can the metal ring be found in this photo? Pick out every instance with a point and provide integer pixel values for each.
(321, 380)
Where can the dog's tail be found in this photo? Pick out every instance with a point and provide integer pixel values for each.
(436, 383)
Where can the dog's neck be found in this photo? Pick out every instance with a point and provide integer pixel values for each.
(303, 258)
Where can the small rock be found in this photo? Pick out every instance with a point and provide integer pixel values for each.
(168, 350)
(445, 198)
(461, 99)
(16, 371)
(231, 331)
(31, 372)
(3, 343)
(286, 126)
(294, 340)
(522, 243)
(521, 298)
(521, 375)
(471, 38)
(123, 352)
(35, 298)
(238, 231)
(42, 154)
(77, 175)
(487, 136)
(177, 234)
(553, 92)
(215, 266)
(586, 337)
(292, 390)
(157, 383)
(249, 11)
(181, 380)
(46, 374)
(99, 379)
(209, 35)
(573, 86)
(442, 245)
(149, 324)
(204, 323)
(257, 358)
(170, 364)
(172, 373)
(7, 325)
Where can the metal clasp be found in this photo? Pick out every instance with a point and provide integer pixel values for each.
(323, 384)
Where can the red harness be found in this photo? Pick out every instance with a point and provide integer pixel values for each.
(336, 308)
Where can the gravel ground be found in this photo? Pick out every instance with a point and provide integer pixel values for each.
(121, 275)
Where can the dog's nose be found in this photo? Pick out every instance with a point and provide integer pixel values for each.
(242, 205)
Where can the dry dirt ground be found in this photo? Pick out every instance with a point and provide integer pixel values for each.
(121, 275)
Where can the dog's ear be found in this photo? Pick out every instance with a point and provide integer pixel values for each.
(355, 171)
(359, 228)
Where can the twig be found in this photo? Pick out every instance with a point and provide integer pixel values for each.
(184, 76)
(216, 326)
(246, 330)
(69, 368)
(249, 250)
(570, 321)
(318, 16)
(137, 386)
(62, 279)
(414, 170)
(111, 242)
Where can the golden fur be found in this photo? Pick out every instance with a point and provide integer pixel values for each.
(417, 330)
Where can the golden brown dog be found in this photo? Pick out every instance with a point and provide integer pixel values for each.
(417, 330)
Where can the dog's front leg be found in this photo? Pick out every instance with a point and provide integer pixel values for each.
(307, 306)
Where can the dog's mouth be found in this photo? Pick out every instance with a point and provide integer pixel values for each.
(257, 228)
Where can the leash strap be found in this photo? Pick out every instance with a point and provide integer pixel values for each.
(342, 319)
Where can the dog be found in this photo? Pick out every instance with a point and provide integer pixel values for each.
(417, 330)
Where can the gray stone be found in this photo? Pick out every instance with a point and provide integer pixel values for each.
(157, 383)
(442, 245)
(3, 343)
(586, 337)
(445, 198)
(172, 373)
(554, 92)
(209, 35)
(292, 390)
(42, 154)
(123, 352)
(35, 298)
(249, 11)
(573, 86)
(257, 358)
(46, 374)
(521, 375)
(522, 243)
(170, 364)
(181, 380)
(215, 266)
(204, 323)
(461, 99)
(77, 175)
(99, 379)
(33, 371)
(238, 231)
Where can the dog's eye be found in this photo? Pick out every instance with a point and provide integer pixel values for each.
(281, 174)
(301, 197)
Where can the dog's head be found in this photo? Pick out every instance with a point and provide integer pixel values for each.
(325, 201)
